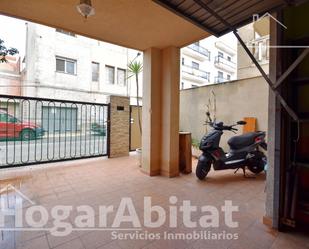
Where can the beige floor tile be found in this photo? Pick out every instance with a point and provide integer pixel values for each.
(40, 242)
(73, 244)
(104, 181)
(96, 239)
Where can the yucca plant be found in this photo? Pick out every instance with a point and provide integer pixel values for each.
(134, 69)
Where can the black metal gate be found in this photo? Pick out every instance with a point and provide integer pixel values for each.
(40, 130)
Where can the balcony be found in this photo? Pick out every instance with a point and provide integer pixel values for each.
(198, 52)
(260, 48)
(194, 74)
(225, 64)
(219, 79)
(225, 48)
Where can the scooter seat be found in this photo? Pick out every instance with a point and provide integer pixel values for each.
(241, 141)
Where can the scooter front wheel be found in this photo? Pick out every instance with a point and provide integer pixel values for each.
(203, 167)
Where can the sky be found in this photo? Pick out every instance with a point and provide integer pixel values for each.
(13, 32)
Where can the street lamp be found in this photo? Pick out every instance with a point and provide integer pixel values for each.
(138, 54)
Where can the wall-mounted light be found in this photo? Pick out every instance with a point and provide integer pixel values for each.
(85, 8)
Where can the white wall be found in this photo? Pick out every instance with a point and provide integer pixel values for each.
(234, 101)
(42, 80)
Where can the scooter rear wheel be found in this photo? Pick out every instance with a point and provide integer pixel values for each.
(202, 168)
(257, 164)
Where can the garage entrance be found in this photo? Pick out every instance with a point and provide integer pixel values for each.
(59, 119)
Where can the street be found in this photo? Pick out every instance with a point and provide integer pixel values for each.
(52, 147)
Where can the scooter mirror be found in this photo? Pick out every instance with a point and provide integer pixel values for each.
(241, 122)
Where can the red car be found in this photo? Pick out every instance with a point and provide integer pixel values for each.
(11, 127)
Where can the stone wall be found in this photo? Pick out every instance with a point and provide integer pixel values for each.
(119, 126)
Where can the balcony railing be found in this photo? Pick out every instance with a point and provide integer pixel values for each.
(219, 79)
(196, 72)
(220, 60)
(200, 50)
(260, 48)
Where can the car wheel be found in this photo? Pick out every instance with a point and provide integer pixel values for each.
(27, 134)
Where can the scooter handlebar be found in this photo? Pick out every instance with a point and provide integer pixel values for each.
(220, 126)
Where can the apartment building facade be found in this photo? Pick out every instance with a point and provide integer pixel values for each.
(63, 65)
(209, 61)
(256, 36)
(10, 82)
(10, 76)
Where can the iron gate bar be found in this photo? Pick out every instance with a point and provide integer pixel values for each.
(229, 9)
(49, 99)
(39, 152)
(292, 67)
(35, 143)
(166, 4)
(289, 110)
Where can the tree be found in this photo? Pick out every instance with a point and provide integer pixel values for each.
(4, 51)
(134, 69)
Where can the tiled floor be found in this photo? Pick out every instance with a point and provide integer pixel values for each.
(104, 181)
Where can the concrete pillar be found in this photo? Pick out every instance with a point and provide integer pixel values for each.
(119, 126)
(160, 140)
(170, 111)
(151, 112)
(274, 132)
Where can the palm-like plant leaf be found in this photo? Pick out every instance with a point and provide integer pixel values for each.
(134, 69)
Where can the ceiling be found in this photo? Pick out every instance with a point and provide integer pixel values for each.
(138, 24)
(236, 12)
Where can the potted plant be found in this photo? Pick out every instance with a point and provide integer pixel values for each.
(134, 69)
(195, 148)
(210, 106)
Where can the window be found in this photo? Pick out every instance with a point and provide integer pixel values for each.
(95, 71)
(182, 61)
(3, 117)
(195, 65)
(260, 47)
(110, 74)
(229, 58)
(182, 85)
(220, 74)
(194, 86)
(267, 49)
(65, 65)
(228, 77)
(220, 54)
(121, 77)
(207, 76)
(65, 32)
